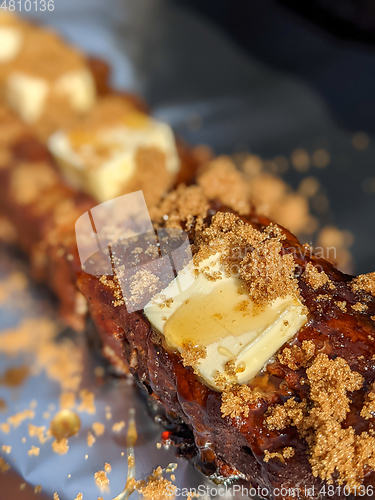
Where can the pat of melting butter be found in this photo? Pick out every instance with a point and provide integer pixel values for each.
(102, 163)
(27, 95)
(79, 87)
(11, 40)
(220, 316)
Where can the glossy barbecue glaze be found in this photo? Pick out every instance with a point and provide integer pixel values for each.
(234, 447)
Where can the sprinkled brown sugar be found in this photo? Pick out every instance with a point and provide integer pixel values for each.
(101, 479)
(316, 279)
(341, 305)
(297, 356)
(6, 449)
(359, 307)
(39, 432)
(34, 450)
(116, 289)
(151, 176)
(98, 428)
(192, 354)
(222, 181)
(67, 400)
(236, 401)
(60, 447)
(268, 275)
(281, 416)
(143, 282)
(156, 487)
(62, 362)
(90, 439)
(368, 410)
(181, 206)
(365, 283)
(4, 466)
(29, 180)
(287, 452)
(256, 257)
(118, 426)
(332, 447)
(17, 419)
(87, 402)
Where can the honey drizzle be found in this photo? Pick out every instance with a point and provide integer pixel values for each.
(131, 439)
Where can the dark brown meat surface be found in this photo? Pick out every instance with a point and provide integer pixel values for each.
(234, 447)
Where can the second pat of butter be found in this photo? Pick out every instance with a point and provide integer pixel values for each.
(103, 161)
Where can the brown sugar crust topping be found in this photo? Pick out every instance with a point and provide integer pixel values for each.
(364, 283)
(316, 279)
(334, 449)
(296, 357)
(221, 180)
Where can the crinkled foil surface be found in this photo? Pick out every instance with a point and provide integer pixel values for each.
(33, 376)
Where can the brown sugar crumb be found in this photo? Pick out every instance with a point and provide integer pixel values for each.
(34, 451)
(359, 307)
(316, 279)
(98, 428)
(39, 432)
(341, 305)
(90, 439)
(116, 289)
(254, 255)
(236, 401)
(62, 362)
(101, 479)
(60, 447)
(38, 489)
(107, 467)
(17, 419)
(6, 449)
(79, 496)
(87, 401)
(287, 452)
(365, 283)
(56, 496)
(281, 416)
(166, 303)
(5, 428)
(181, 206)
(156, 487)
(368, 410)
(192, 354)
(222, 181)
(118, 426)
(296, 357)
(333, 449)
(322, 297)
(143, 282)
(4, 466)
(30, 180)
(151, 175)
(67, 400)
(22, 486)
